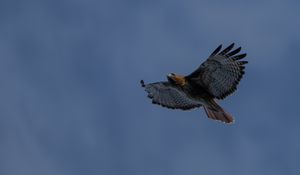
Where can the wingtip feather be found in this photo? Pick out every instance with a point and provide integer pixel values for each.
(234, 52)
(142, 83)
(216, 51)
(227, 49)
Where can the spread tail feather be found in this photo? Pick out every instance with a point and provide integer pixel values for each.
(216, 112)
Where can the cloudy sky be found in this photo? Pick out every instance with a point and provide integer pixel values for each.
(71, 103)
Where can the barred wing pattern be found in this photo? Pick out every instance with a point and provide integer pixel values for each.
(168, 95)
(221, 72)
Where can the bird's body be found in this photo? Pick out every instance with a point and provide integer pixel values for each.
(216, 78)
(191, 89)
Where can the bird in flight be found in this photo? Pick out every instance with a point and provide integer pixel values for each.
(214, 79)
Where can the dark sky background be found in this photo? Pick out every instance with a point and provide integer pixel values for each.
(71, 103)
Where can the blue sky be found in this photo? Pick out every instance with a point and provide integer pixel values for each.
(71, 102)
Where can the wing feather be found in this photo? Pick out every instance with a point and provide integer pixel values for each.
(234, 52)
(216, 51)
(220, 73)
(170, 96)
(227, 49)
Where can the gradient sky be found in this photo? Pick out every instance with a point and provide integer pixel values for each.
(71, 103)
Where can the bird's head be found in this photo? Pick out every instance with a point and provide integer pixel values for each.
(176, 79)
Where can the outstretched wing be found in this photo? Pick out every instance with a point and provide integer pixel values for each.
(170, 96)
(221, 72)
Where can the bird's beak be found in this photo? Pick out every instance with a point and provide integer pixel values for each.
(169, 75)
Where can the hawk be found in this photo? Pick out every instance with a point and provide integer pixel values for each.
(214, 79)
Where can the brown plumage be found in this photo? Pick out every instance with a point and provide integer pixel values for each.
(216, 78)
